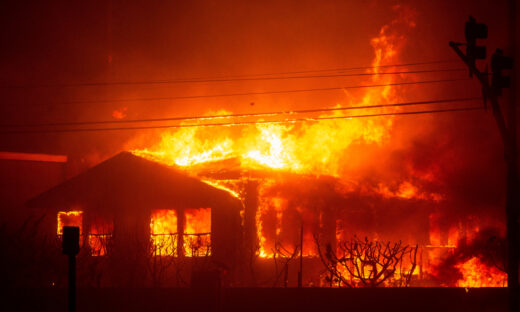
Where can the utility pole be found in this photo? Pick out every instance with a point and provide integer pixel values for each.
(512, 197)
(71, 249)
(300, 273)
(507, 133)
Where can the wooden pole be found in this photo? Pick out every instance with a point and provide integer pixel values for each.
(508, 135)
(72, 283)
(512, 175)
(300, 273)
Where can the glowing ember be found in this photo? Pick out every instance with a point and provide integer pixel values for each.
(119, 113)
(222, 186)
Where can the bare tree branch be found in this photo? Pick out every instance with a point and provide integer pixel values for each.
(368, 263)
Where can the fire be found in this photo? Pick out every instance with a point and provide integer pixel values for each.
(70, 218)
(99, 237)
(196, 235)
(468, 258)
(197, 232)
(269, 150)
(270, 209)
(163, 230)
(305, 148)
(220, 185)
(314, 147)
(266, 151)
(477, 274)
(186, 147)
(279, 228)
(407, 190)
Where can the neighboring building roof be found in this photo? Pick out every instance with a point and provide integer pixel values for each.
(33, 157)
(129, 181)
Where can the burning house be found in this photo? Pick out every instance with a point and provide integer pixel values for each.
(259, 227)
(130, 208)
(319, 193)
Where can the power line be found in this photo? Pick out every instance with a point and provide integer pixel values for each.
(266, 114)
(326, 70)
(244, 123)
(108, 83)
(187, 97)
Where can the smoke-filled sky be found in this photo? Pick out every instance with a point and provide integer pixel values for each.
(53, 43)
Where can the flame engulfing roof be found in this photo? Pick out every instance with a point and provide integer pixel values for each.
(128, 179)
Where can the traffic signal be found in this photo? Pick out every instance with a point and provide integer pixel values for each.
(474, 31)
(500, 62)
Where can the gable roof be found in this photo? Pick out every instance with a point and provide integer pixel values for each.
(129, 181)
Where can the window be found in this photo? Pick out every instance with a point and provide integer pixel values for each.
(197, 232)
(100, 236)
(163, 231)
(70, 218)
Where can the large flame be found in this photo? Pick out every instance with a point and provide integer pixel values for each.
(314, 147)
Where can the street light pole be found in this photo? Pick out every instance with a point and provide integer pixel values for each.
(71, 249)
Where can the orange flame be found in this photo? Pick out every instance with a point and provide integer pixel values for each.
(99, 237)
(163, 230)
(316, 147)
(197, 232)
(70, 218)
(477, 274)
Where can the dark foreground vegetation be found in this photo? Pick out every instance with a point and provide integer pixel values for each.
(261, 299)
